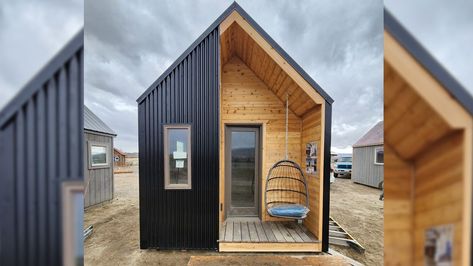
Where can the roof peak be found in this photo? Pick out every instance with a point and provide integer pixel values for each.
(374, 136)
(236, 7)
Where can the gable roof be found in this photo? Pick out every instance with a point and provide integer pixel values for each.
(416, 50)
(215, 24)
(119, 151)
(36, 83)
(375, 136)
(93, 123)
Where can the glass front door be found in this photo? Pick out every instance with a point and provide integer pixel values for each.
(242, 171)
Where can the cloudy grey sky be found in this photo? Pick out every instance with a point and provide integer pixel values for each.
(445, 28)
(31, 32)
(339, 43)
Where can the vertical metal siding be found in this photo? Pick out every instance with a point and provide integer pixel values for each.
(326, 169)
(41, 133)
(182, 219)
(364, 170)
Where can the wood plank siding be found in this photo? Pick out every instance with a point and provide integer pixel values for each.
(365, 171)
(99, 181)
(427, 162)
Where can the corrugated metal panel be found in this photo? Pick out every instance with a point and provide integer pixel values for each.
(326, 192)
(93, 123)
(41, 134)
(182, 219)
(364, 170)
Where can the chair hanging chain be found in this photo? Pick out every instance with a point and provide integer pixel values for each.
(287, 108)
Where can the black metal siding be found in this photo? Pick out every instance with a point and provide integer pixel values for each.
(188, 94)
(326, 193)
(41, 133)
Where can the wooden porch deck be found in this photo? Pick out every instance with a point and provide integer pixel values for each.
(257, 236)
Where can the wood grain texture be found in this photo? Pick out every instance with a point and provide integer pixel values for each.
(235, 40)
(311, 132)
(247, 100)
(428, 168)
(398, 209)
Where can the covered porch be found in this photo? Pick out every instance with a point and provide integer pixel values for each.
(255, 83)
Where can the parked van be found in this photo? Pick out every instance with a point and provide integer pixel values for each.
(343, 165)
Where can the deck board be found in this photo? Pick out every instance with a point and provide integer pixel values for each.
(236, 231)
(253, 233)
(245, 232)
(287, 236)
(269, 232)
(290, 227)
(261, 234)
(276, 232)
(229, 232)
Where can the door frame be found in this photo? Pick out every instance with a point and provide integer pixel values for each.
(227, 171)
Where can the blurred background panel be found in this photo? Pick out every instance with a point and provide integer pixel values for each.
(428, 126)
(41, 133)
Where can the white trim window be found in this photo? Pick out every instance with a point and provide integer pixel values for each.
(177, 157)
(99, 155)
(379, 155)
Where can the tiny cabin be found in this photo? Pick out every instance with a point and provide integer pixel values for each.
(213, 126)
(368, 158)
(41, 172)
(98, 165)
(428, 148)
(119, 158)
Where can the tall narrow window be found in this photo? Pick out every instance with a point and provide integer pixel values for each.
(379, 155)
(177, 157)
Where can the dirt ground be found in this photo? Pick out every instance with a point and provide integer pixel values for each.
(115, 240)
(359, 211)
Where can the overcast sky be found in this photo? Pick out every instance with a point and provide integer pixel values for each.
(339, 43)
(445, 28)
(130, 43)
(31, 32)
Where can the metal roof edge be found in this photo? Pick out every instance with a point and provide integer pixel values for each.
(235, 6)
(416, 50)
(86, 130)
(368, 145)
(43, 75)
(212, 27)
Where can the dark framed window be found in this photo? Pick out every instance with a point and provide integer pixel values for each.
(379, 155)
(99, 154)
(177, 157)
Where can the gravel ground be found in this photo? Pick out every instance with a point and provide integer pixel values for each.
(115, 240)
(359, 211)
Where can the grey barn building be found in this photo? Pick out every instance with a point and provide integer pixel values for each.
(368, 157)
(98, 159)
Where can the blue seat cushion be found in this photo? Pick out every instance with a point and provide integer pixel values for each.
(289, 210)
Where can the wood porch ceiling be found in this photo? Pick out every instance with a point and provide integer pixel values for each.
(411, 125)
(236, 42)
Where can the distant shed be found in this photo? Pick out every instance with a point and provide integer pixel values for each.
(98, 151)
(368, 157)
(119, 157)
